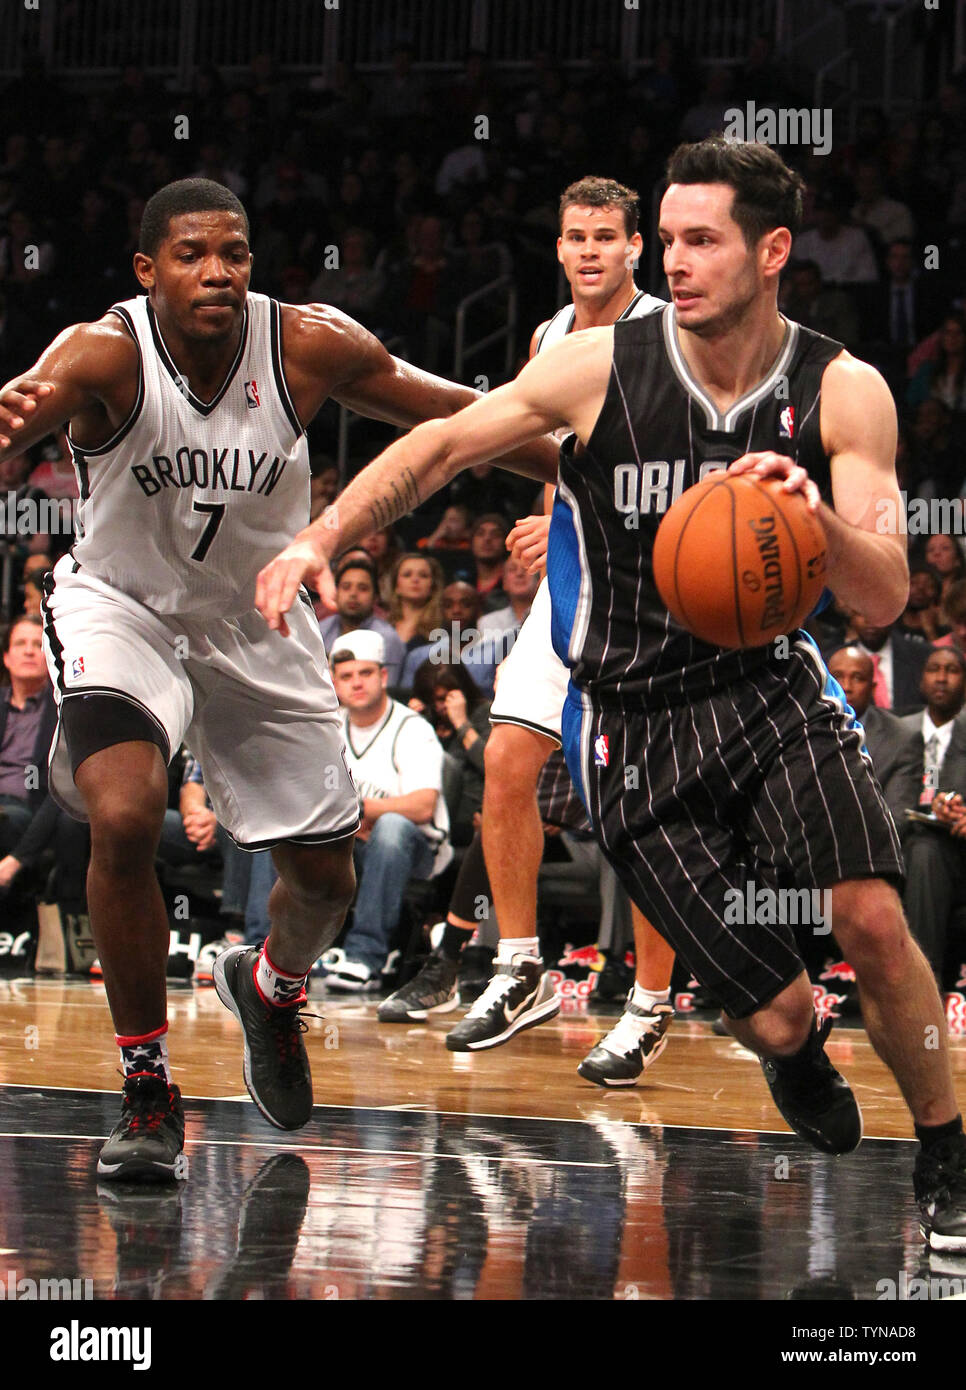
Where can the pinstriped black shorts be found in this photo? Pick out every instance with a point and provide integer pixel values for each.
(557, 797)
(765, 785)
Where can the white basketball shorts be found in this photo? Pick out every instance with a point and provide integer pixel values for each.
(258, 710)
(533, 681)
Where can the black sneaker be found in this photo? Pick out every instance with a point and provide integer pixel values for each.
(518, 996)
(147, 1143)
(276, 1065)
(637, 1039)
(939, 1180)
(431, 991)
(814, 1099)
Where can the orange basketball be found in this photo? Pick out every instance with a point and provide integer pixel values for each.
(739, 562)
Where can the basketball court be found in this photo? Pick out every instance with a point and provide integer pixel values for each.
(435, 1175)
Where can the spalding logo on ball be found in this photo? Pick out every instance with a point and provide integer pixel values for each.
(739, 562)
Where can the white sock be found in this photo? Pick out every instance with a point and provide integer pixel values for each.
(511, 946)
(647, 998)
(277, 986)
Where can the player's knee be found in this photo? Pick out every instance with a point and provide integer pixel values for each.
(324, 879)
(512, 761)
(870, 927)
(126, 827)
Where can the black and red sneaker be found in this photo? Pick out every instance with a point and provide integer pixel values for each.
(147, 1143)
(276, 1064)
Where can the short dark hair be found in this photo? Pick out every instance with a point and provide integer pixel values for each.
(7, 637)
(594, 192)
(496, 518)
(768, 193)
(176, 199)
(356, 562)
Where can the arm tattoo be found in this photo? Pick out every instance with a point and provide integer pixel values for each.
(385, 510)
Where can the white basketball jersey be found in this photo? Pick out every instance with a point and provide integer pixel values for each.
(189, 499)
(563, 320)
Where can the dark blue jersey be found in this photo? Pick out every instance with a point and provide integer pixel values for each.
(657, 434)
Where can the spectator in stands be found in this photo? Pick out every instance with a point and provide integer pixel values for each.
(843, 253)
(954, 611)
(355, 597)
(945, 377)
(922, 617)
(415, 605)
(54, 474)
(519, 586)
(397, 764)
(886, 219)
(935, 462)
(461, 604)
(446, 695)
(383, 548)
(896, 762)
(324, 486)
(27, 721)
(488, 548)
(452, 533)
(805, 299)
(897, 663)
(936, 854)
(355, 285)
(26, 255)
(945, 555)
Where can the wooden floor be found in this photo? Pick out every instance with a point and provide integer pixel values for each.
(58, 1033)
(430, 1174)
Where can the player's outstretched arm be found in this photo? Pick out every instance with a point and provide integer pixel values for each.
(329, 354)
(91, 367)
(866, 563)
(556, 388)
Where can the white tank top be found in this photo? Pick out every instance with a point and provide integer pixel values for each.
(563, 320)
(188, 500)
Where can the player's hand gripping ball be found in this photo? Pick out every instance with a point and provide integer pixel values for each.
(738, 561)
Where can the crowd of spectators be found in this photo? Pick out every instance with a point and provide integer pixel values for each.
(392, 196)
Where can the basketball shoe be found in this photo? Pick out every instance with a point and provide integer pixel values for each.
(814, 1099)
(431, 991)
(632, 1045)
(519, 995)
(146, 1144)
(939, 1181)
(276, 1065)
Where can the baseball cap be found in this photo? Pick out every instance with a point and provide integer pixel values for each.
(360, 645)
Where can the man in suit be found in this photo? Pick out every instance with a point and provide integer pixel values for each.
(901, 310)
(936, 853)
(27, 721)
(897, 663)
(895, 751)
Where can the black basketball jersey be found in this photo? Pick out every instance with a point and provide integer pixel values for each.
(658, 433)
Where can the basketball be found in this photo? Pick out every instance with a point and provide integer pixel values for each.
(738, 562)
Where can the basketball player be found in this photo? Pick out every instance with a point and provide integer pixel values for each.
(187, 409)
(598, 246)
(748, 764)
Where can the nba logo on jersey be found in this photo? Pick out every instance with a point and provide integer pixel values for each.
(601, 750)
(77, 667)
(251, 395)
(786, 422)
